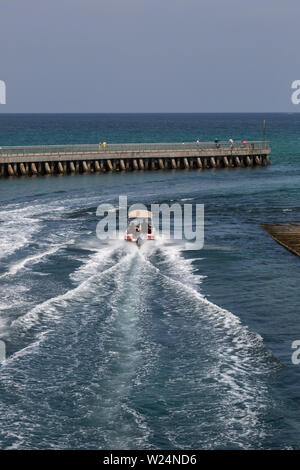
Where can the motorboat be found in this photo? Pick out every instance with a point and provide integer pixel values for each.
(140, 227)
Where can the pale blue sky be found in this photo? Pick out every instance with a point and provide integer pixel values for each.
(149, 55)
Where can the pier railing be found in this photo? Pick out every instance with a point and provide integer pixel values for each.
(140, 147)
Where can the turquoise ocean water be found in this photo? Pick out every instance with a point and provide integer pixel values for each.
(113, 347)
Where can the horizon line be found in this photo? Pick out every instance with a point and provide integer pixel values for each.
(150, 112)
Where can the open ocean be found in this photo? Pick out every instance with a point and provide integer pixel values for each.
(112, 347)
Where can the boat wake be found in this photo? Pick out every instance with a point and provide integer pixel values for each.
(131, 347)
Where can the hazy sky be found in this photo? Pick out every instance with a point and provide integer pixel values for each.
(149, 55)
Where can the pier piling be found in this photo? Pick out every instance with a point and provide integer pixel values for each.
(109, 165)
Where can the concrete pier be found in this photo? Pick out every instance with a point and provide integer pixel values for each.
(70, 159)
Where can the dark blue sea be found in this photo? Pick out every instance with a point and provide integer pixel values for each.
(114, 347)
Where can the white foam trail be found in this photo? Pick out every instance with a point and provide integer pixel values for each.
(230, 368)
(234, 361)
(48, 308)
(17, 227)
(16, 267)
(20, 222)
(183, 269)
(17, 234)
(12, 295)
(121, 331)
(174, 264)
(99, 260)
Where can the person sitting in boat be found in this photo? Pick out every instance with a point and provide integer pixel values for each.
(144, 227)
(131, 229)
